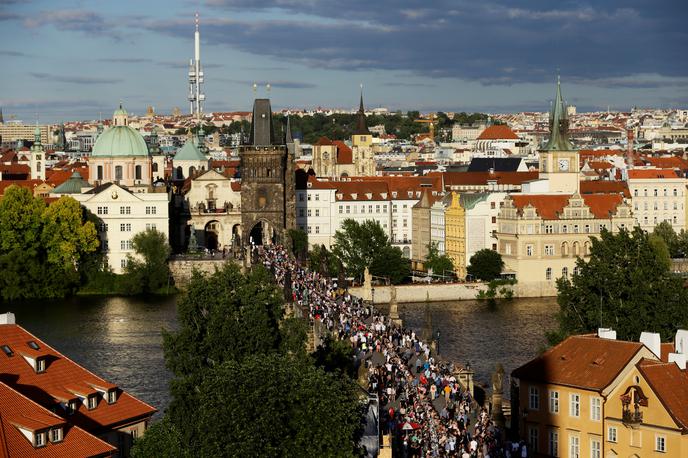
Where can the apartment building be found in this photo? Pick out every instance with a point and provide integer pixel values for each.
(658, 195)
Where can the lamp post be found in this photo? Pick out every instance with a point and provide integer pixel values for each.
(438, 341)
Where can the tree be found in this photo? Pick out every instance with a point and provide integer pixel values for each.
(390, 262)
(626, 285)
(152, 273)
(273, 406)
(299, 242)
(21, 252)
(486, 265)
(666, 231)
(440, 264)
(68, 239)
(357, 244)
(322, 261)
(163, 440)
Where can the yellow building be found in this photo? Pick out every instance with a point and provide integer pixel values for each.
(594, 396)
(455, 234)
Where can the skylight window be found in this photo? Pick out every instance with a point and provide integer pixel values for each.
(33, 345)
(8, 351)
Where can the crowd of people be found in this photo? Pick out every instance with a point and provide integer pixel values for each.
(422, 405)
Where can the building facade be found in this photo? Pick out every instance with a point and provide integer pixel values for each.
(455, 234)
(658, 195)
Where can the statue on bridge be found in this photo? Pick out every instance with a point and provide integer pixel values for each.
(288, 294)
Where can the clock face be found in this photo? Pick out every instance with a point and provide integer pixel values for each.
(563, 164)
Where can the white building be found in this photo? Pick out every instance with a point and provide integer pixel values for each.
(124, 214)
(482, 210)
(657, 195)
(437, 224)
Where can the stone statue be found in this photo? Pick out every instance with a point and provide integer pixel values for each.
(393, 306)
(497, 395)
(498, 380)
(193, 243)
(288, 296)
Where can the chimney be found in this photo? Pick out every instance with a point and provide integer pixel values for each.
(7, 318)
(679, 359)
(681, 342)
(606, 333)
(653, 342)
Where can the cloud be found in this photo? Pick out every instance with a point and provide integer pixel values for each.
(124, 60)
(75, 79)
(458, 38)
(638, 81)
(275, 84)
(73, 20)
(400, 84)
(12, 53)
(4, 16)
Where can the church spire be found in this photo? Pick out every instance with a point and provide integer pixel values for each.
(361, 124)
(559, 124)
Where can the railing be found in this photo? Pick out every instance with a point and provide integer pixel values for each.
(632, 417)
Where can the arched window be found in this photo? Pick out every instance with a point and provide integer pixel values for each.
(155, 166)
(548, 273)
(565, 272)
(576, 249)
(138, 172)
(118, 172)
(576, 270)
(180, 173)
(100, 172)
(586, 248)
(192, 171)
(565, 249)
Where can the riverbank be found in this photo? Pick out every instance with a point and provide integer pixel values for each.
(447, 292)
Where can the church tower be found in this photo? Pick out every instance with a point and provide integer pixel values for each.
(559, 161)
(37, 160)
(362, 145)
(267, 181)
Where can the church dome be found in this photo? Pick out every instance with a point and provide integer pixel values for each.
(120, 140)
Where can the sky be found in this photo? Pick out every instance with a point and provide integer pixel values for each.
(77, 59)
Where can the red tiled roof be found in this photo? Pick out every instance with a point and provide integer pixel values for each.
(15, 169)
(323, 141)
(602, 205)
(586, 362)
(605, 187)
(54, 384)
(236, 186)
(19, 411)
(498, 132)
(670, 384)
(651, 173)
(600, 165)
(550, 206)
(666, 162)
(344, 153)
(600, 153)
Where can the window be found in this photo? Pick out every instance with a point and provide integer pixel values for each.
(317, 212)
(611, 434)
(341, 209)
(308, 212)
(317, 229)
(348, 210)
(134, 433)
(8, 351)
(125, 210)
(309, 197)
(549, 250)
(123, 263)
(575, 228)
(71, 407)
(118, 172)
(125, 227)
(595, 448)
(587, 228)
(56, 435)
(405, 223)
(151, 210)
(92, 402)
(595, 409)
(574, 446)
(309, 229)
(564, 229)
(317, 197)
(138, 172)
(40, 365)
(40, 439)
(549, 229)
(554, 443)
(377, 209)
(301, 211)
(565, 272)
(492, 205)
(33, 344)
(112, 396)
(553, 402)
(151, 226)
(300, 197)
(534, 398)
(655, 192)
(635, 193)
(660, 443)
(548, 273)
(574, 405)
(494, 218)
(529, 250)
(666, 192)
(100, 172)
(533, 438)
(675, 192)
(102, 210)
(103, 227)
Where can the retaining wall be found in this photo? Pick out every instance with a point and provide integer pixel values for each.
(182, 269)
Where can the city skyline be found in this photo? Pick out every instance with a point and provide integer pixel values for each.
(81, 59)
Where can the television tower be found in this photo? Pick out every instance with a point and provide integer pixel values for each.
(196, 96)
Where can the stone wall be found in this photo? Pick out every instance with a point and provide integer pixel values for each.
(182, 269)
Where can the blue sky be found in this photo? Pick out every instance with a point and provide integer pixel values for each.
(72, 59)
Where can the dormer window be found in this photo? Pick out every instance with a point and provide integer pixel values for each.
(71, 407)
(8, 351)
(40, 365)
(112, 396)
(394, 194)
(92, 402)
(56, 434)
(40, 439)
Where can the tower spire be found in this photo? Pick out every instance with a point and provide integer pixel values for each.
(361, 124)
(287, 134)
(559, 124)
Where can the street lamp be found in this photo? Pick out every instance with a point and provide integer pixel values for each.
(438, 342)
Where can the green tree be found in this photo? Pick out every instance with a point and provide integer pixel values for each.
(390, 262)
(357, 244)
(21, 252)
(162, 440)
(666, 231)
(69, 239)
(299, 242)
(152, 273)
(440, 264)
(274, 406)
(486, 265)
(626, 285)
(323, 261)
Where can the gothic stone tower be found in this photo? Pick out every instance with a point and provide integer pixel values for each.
(267, 182)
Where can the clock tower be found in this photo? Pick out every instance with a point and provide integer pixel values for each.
(559, 163)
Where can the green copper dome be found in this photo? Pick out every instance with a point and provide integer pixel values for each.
(120, 141)
(73, 185)
(189, 152)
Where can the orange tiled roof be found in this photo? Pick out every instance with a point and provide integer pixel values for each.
(498, 132)
(670, 384)
(605, 187)
(651, 173)
(602, 205)
(585, 361)
(59, 381)
(550, 206)
(344, 153)
(19, 411)
(667, 162)
(15, 169)
(600, 165)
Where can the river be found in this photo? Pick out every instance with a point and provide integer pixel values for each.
(119, 338)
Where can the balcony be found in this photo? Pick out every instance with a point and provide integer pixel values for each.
(632, 417)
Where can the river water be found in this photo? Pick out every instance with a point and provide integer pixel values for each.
(119, 338)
